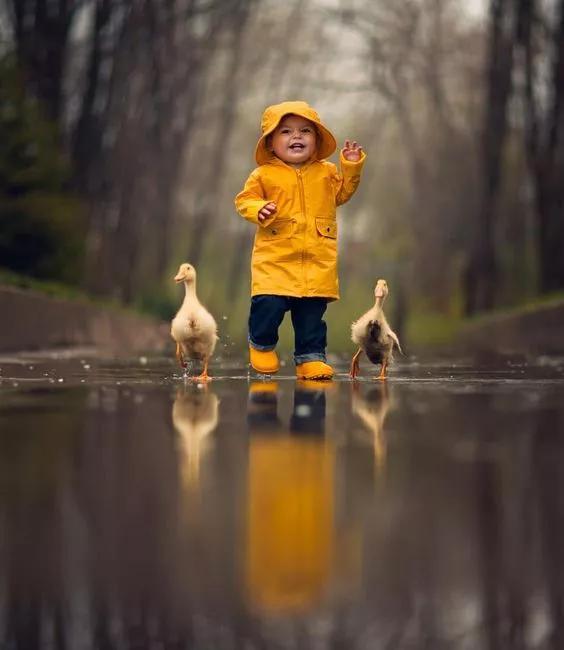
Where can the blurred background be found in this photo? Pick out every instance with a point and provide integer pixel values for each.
(128, 126)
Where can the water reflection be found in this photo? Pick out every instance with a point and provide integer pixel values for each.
(372, 409)
(290, 500)
(195, 415)
(255, 516)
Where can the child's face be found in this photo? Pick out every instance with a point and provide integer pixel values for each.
(294, 140)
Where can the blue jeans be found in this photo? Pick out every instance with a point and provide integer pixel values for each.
(310, 330)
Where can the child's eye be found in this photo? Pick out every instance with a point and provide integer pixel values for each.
(306, 129)
(284, 130)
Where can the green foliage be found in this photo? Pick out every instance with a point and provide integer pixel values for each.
(430, 328)
(158, 302)
(41, 224)
(48, 287)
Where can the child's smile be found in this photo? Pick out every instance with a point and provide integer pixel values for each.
(294, 140)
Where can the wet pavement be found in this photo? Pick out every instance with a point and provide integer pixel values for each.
(142, 510)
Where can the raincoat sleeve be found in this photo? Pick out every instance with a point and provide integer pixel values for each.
(251, 199)
(347, 181)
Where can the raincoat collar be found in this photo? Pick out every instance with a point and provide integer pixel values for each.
(274, 160)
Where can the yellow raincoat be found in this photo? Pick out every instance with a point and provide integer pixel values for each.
(295, 250)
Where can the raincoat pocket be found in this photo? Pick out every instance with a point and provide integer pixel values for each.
(282, 229)
(326, 227)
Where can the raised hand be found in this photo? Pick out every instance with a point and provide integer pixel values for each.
(352, 152)
(267, 211)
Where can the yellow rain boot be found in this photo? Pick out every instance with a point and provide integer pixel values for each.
(314, 370)
(264, 361)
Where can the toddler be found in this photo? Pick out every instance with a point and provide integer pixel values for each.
(292, 197)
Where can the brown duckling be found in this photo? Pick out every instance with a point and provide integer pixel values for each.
(373, 335)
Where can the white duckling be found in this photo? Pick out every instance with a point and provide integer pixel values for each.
(195, 414)
(193, 328)
(373, 335)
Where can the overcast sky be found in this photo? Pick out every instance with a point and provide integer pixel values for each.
(477, 7)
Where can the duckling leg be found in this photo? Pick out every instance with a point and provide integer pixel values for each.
(382, 374)
(204, 375)
(355, 364)
(180, 356)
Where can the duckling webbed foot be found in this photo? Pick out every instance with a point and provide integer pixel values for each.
(382, 375)
(355, 365)
(180, 357)
(203, 376)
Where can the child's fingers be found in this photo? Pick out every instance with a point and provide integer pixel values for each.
(266, 211)
(347, 144)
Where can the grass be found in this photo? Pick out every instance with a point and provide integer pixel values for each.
(535, 304)
(425, 328)
(62, 291)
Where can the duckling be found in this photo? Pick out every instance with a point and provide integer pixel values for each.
(373, 335)
(195, 414)
(193, 328)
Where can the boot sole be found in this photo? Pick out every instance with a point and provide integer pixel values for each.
(319, 377)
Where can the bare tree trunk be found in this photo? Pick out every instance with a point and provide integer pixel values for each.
(41, 32)
(544, 140)
(87, 136)
(550, 175)
(481, 272)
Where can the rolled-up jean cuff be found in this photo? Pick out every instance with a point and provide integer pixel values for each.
(263, 348)
(311, 356)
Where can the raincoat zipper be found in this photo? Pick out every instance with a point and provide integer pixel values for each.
(302, 205)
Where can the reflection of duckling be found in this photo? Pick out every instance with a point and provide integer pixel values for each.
(194, 415)
(372, 410)
(373, 335)
(193, 328)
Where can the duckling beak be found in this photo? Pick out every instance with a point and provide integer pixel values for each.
(179, 277)
(380, 293)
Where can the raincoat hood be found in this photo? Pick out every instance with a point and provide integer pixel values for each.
(272, 116)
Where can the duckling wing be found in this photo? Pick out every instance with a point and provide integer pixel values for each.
(360, 328)
(207, 330)
(395, 340)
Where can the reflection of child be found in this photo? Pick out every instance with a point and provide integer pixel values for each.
(292, 198)
(290, 501)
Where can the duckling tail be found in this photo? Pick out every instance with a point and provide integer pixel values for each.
(373, 330)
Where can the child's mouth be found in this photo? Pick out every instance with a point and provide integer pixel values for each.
(297, 147)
